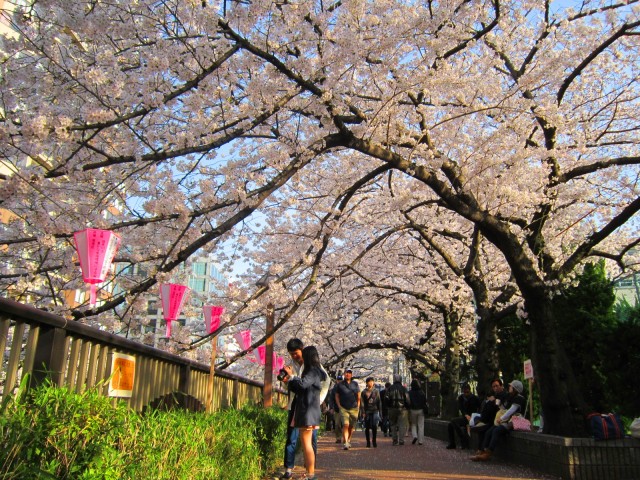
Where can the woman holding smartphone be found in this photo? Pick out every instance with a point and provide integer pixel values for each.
(306, 413)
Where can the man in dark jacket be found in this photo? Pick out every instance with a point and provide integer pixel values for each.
(489, 408)
(384, 423)
(468, 404)
(397, 399)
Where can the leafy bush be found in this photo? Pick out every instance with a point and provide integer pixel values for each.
(169, 445)
(54, 433)
(51, 432)
(269, 430)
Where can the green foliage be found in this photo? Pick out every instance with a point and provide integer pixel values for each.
(514, 347)
(53, 433)
(270, 430)
(626, 313)
(601, 339)
(599, 336)
(622, 362)
(169, 445)
(585, 319)
(237, 446)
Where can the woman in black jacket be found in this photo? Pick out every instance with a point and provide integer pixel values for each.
(306, 413)
(417, 410)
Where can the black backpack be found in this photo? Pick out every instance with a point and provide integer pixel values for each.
(396, 397)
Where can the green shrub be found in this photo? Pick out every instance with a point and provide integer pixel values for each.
(236, 444)
(270, 430)
(170, 445)
(53, 433)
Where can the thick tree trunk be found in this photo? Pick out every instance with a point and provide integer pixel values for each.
(563, 407)
(486, 359)
(450, 378)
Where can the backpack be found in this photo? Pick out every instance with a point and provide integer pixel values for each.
(606, 426)
(396, 397)
(417, 400)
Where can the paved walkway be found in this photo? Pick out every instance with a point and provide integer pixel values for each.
(431, 461)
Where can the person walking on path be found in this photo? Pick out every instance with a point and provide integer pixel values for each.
(384, 423)
(295, 347)
(306, 409)
(372, 409)
(417, 411)
(335, 411)
(348, 401)
(397, 403)
(514, 404)
(468, 404)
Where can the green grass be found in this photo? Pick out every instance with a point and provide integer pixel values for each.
(51, 432)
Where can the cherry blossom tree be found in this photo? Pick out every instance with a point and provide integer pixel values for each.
(174, 123)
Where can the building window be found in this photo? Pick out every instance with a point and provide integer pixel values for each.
(200, 268)
(197, 284)
(152, 307)
(626, 282)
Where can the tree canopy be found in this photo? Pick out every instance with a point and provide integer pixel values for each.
(411, 171)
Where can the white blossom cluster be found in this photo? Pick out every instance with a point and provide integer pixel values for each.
(406, 169)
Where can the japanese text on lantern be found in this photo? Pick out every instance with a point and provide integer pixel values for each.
(96, 249)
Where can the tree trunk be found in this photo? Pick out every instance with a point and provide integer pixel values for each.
(486, 360)
(450, 377)
(563, 407)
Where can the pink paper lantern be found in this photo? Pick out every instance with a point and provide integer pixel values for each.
(172, 297)
(261, 354)
(96, 251)
(212, 315)
(278, 363)
(244, 339)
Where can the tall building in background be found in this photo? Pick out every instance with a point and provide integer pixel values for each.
(203, 279)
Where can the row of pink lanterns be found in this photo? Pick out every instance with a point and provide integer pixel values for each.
(260, 353)
(96, 251)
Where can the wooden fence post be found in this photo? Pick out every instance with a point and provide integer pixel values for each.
(48, 361)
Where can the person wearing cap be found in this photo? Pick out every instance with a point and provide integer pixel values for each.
(397, 399)
(348, 401)
(514, 404)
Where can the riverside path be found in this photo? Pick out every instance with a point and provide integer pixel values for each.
(430, 461)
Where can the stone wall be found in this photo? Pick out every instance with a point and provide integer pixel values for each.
(567, 458)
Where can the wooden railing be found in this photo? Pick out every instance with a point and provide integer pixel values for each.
(71, 354)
